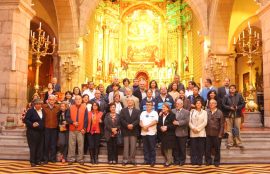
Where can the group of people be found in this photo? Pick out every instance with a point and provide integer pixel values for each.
(123, 115)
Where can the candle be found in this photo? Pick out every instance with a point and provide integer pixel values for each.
(239, 37)
(255, 34)
(258, 35)
(243, 34)
(248, 24)
(34, 34)
(13, 56)
(47, 38)
(250, 31)
(40, 25)
(54, 40)
(234, 41)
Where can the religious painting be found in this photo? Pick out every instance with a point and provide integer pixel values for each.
(143, 36)
(245, 83)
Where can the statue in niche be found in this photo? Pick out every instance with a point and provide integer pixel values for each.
(111, 68)
(186, 68)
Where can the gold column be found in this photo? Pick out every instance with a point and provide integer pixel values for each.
(180, 51)
(190, 54)
(105, 67)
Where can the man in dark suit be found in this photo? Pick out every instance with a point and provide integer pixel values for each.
(181, 131)
(56, 86)
(35, 122)
(140, 92)
(180, 85)
(130, 119)
(222, 91)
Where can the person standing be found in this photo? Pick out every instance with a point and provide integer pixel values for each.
(148, 123)
(126, 84)
(128, 94)
(111, 133)
(140, 92)
(186, 102)
(181, 122)
(214, 132)
(173, 91)
(232, 105)
(51, 129)
(55, 85)
(63, 131)
(35, 123)
(90, 91)
(164, 97)
(154, 87)
(224, 90)
(196, 96)
(129, 118)
(176, 80)
(149, 98)
(197, 124)
(207, 87)
(167, 133)
(94, 131)
(50, 91)
(77, 117)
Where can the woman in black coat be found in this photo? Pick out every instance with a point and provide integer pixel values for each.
(166, 130)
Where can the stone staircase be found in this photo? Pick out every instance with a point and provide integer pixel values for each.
(13, 145)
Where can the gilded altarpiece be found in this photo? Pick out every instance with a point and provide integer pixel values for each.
(147, 39)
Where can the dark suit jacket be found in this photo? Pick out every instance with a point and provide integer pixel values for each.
(103, 106)
(57, 88)
(137, 93)
(109, 124)
(168, 137)
(126, 119)
(227, 103)
(31, 117)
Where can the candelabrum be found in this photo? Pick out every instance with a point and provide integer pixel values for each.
(40, 46)
(216, 67)
(248, 44)
(69, 68)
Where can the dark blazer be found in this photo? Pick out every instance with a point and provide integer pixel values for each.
(103, 106)
(227, 103)
(215, 123)
(126, 119)
(221, 94)
(32, 116)
(168, 137)
(108, 125)
(137, 93)
(57, 88)
(159, 102)
(183, 118)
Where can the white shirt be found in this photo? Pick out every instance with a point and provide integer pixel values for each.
(148, 118)
(39, 112)
(118, 108)
(90, 93)
(188, 93)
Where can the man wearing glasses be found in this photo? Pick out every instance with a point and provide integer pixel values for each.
(148, 123)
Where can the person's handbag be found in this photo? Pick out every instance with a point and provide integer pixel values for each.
(62, 128)
(119, 138)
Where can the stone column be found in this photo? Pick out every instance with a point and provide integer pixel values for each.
(15, 16)
(264, 15)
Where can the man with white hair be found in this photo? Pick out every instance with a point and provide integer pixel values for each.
(163, 97)
(128, 93)
(51, 129)
(56, 86)
(181, 131)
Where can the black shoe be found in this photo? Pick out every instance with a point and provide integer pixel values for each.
(81, 163)
(181, 163)
(40, 163)
(45, 162)
(152, 164)
(207, 164)
(70, 163)
(124, 163)
(146, 163)
(133, 163)
(33, 165)
(216, 164)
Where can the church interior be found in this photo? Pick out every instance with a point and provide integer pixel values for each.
(82, 41)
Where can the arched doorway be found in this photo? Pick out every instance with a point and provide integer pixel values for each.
(142, 75)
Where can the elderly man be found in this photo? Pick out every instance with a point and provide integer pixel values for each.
(77, 117)
(103, 106)
(214, 132)
(90, 91)
(181, 131)
(163, 97)
(109, 88)
(51, 129)
(35, 122)
(56, 86)
(128, 93)
(129, 119)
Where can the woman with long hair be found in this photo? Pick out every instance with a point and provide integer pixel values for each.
(173, 91)
(154, 87)
(94, 131)
(212, 94)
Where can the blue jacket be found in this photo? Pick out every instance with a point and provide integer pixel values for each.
(143, 104)
(159, 102)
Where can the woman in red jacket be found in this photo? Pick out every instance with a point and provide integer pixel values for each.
(93, 131)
